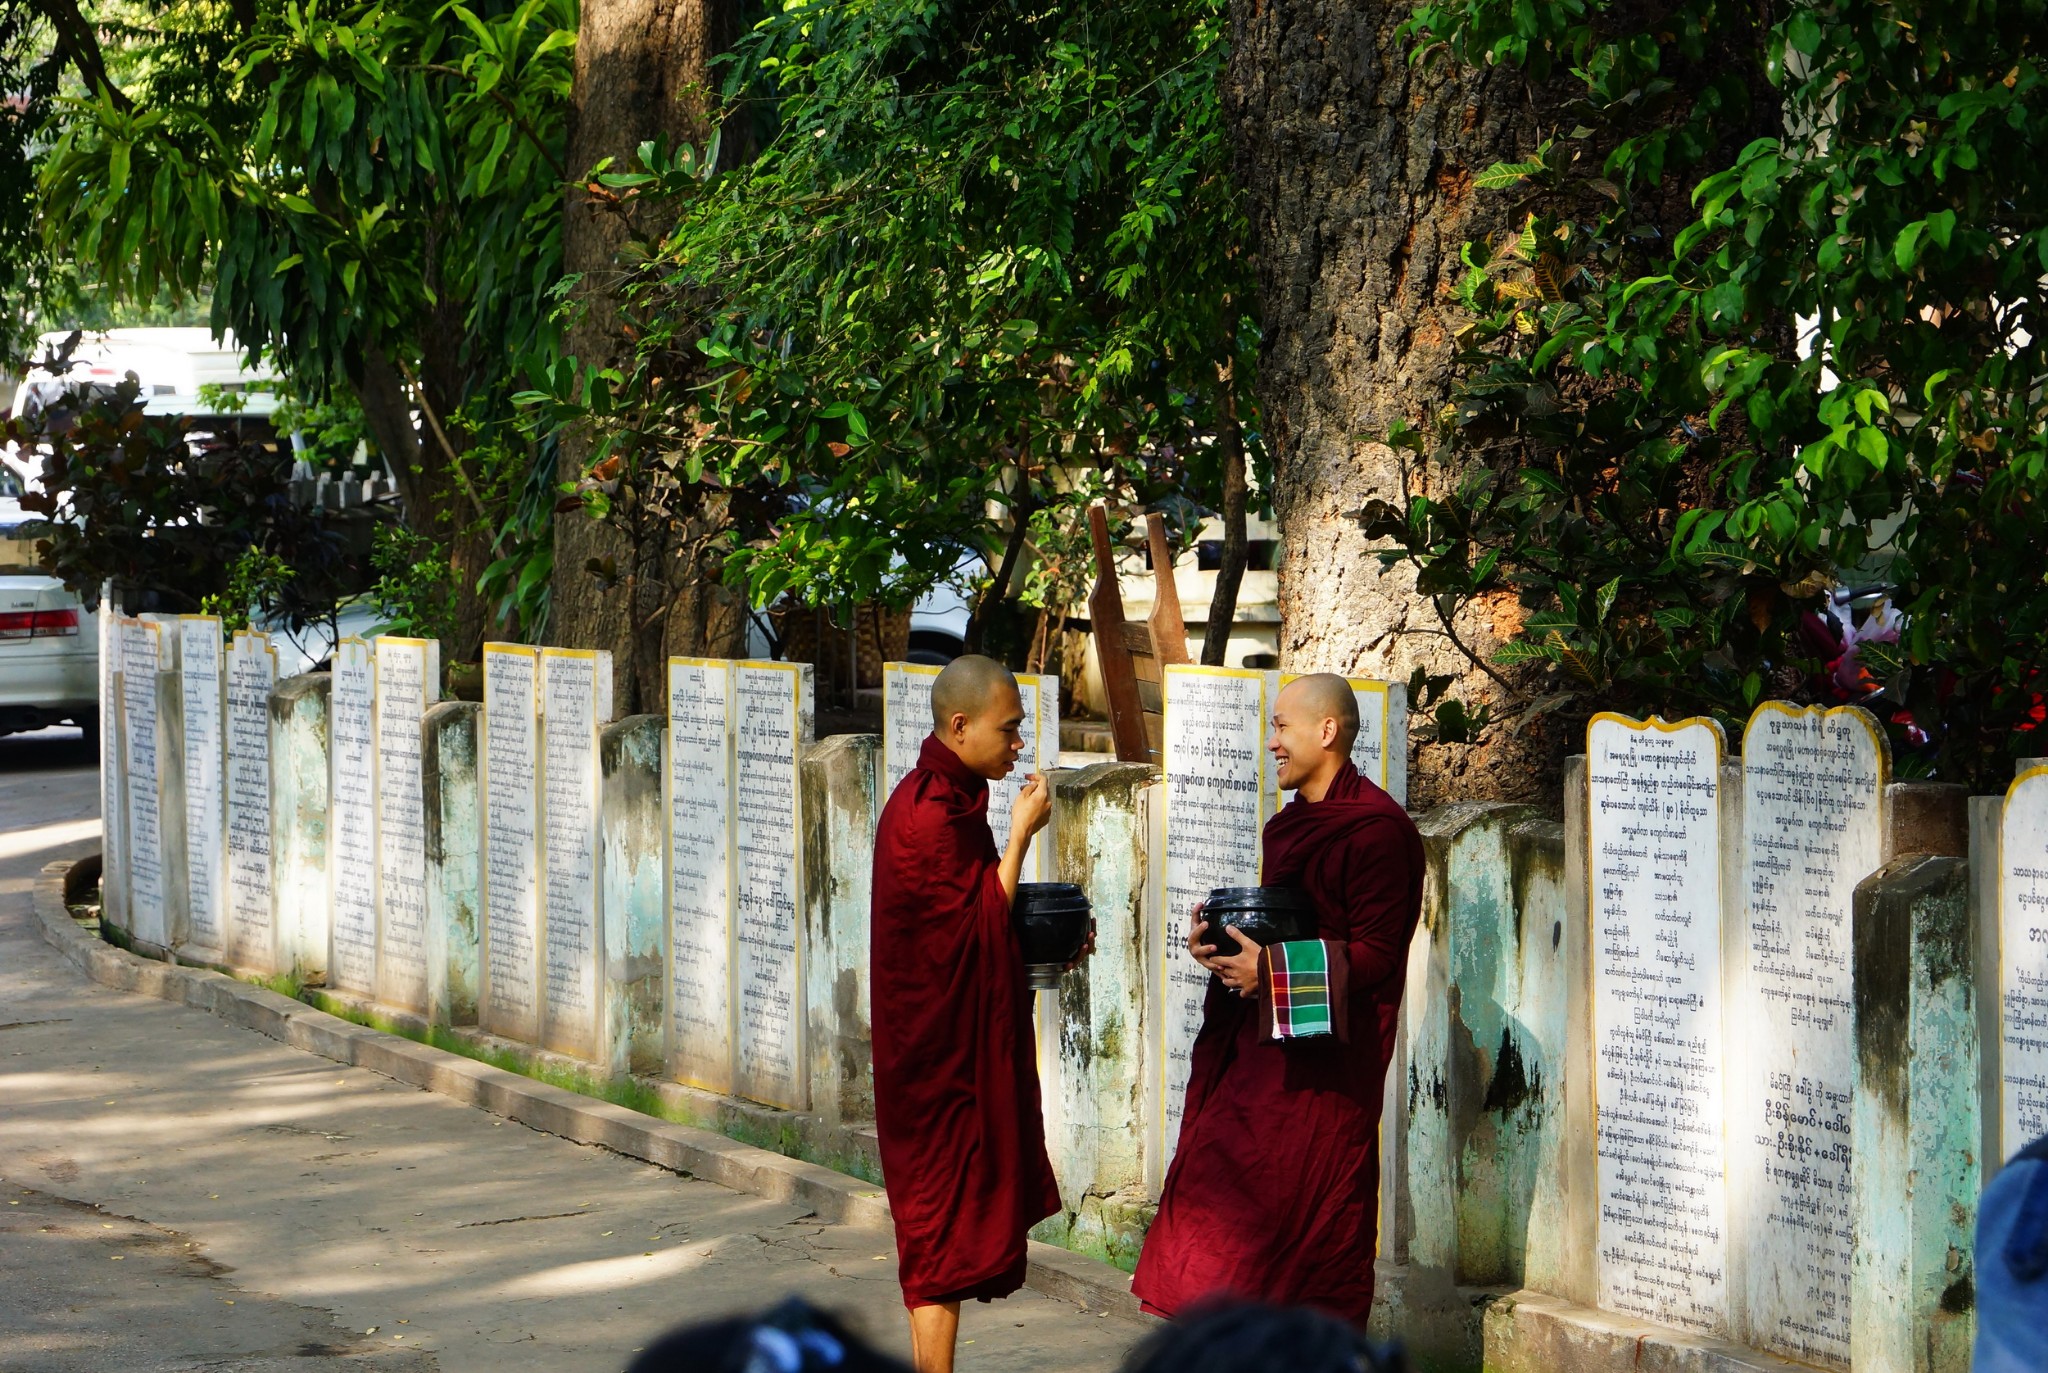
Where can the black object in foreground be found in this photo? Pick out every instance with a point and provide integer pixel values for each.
(1267, 915)
(1052, 925)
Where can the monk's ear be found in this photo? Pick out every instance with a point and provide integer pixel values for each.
(1331, 730)
(956, 724)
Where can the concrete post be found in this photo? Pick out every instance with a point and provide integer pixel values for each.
(1987, 841)
(1460, 1058)
(1918, 1124)
(1575, 1263)
(631, 895)
(454, 834)
(841, 804)
(298, 820)
(1926, 817)
(1094, 1032)
(1529, 1116)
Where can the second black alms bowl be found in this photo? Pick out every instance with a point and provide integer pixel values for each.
(1267, 915)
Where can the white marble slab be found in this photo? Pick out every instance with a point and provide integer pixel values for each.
(1041, 730)
(352, 820)
(772, 713)
(575, 703)
(141, 657)
(199, 672)
(251, 919)
(510, 1004)
(408, 681)
(1380, 752)
(2023, 962)
(700, 1009)
(906, 719)
(1213, 734)
(1813, 821)
(1654, 869)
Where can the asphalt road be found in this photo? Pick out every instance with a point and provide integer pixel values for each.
(183, 1195)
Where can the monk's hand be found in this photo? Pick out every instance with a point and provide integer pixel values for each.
(1086, 948)
(1199, 946)
(1032, 808)
(1240, 970)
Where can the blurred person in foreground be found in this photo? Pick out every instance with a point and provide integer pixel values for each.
(2012, 1266)
(1274, 1189)
(956, 1067)
(1248, 1338)
(794, 1337)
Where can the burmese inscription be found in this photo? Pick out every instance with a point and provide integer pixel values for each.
(511, 842)
(1653, 811)
(141, 655)
(768, 715)
(352, 822)
(251, 673)
(199, 667)
(700, 872)
(2023, 976)
(575, 702)
(408, 681)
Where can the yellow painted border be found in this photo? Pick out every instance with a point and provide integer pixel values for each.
(1169, 920)
(1856, 713)
(1660, 725)
(668, 879)
(2005, 1146)
(908, 670)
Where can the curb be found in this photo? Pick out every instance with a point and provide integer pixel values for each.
(833, 1197)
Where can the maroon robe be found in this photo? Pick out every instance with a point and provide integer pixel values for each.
(956, 1066)
(1274, 1190)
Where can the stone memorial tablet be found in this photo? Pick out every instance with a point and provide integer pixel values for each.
(141, 655)
(408, 681)
(1654, 869)
(771, 705)
(575, 703)
(700, 1010)
(352, 820)
(1382, 720)
(509, 1005)
(1213, 730)
(251, 673)
(1041, 731)
(906, 720)
(2023, 960)
(1813, 821)
(199, 669)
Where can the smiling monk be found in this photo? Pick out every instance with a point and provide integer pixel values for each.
(956, 1069)
(1274, 1190)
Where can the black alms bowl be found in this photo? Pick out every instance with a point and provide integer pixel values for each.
(1267, 915)
(1052, 925)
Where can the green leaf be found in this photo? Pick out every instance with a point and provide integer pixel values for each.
(1802, 31)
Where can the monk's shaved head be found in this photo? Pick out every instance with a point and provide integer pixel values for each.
(972, 684)
(1325, 696)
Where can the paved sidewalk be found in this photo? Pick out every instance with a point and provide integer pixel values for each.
(258, 1204)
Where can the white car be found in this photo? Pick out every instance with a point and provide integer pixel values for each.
(49, 643)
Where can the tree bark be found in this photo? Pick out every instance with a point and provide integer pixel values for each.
(642, 72)
(1359, 167)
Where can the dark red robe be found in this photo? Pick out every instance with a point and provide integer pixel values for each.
(1274, 1190)
(956, 1066)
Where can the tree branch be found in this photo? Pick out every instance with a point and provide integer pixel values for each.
(79, 44)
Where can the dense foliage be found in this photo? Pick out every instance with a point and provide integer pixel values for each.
(986, 266)
(369, 194)
(1685, 453)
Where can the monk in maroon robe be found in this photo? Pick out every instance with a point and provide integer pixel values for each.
(1274, 1190)
(956, 1068)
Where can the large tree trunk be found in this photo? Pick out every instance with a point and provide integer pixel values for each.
(642, 72)
(1359, 170)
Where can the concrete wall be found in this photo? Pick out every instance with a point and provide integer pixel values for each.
(1489, 1180)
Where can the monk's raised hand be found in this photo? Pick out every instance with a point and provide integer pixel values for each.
(1033, 806)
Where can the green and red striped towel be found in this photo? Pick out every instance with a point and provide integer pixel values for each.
(1305, 984)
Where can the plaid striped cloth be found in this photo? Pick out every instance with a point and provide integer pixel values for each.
(1304, 982)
